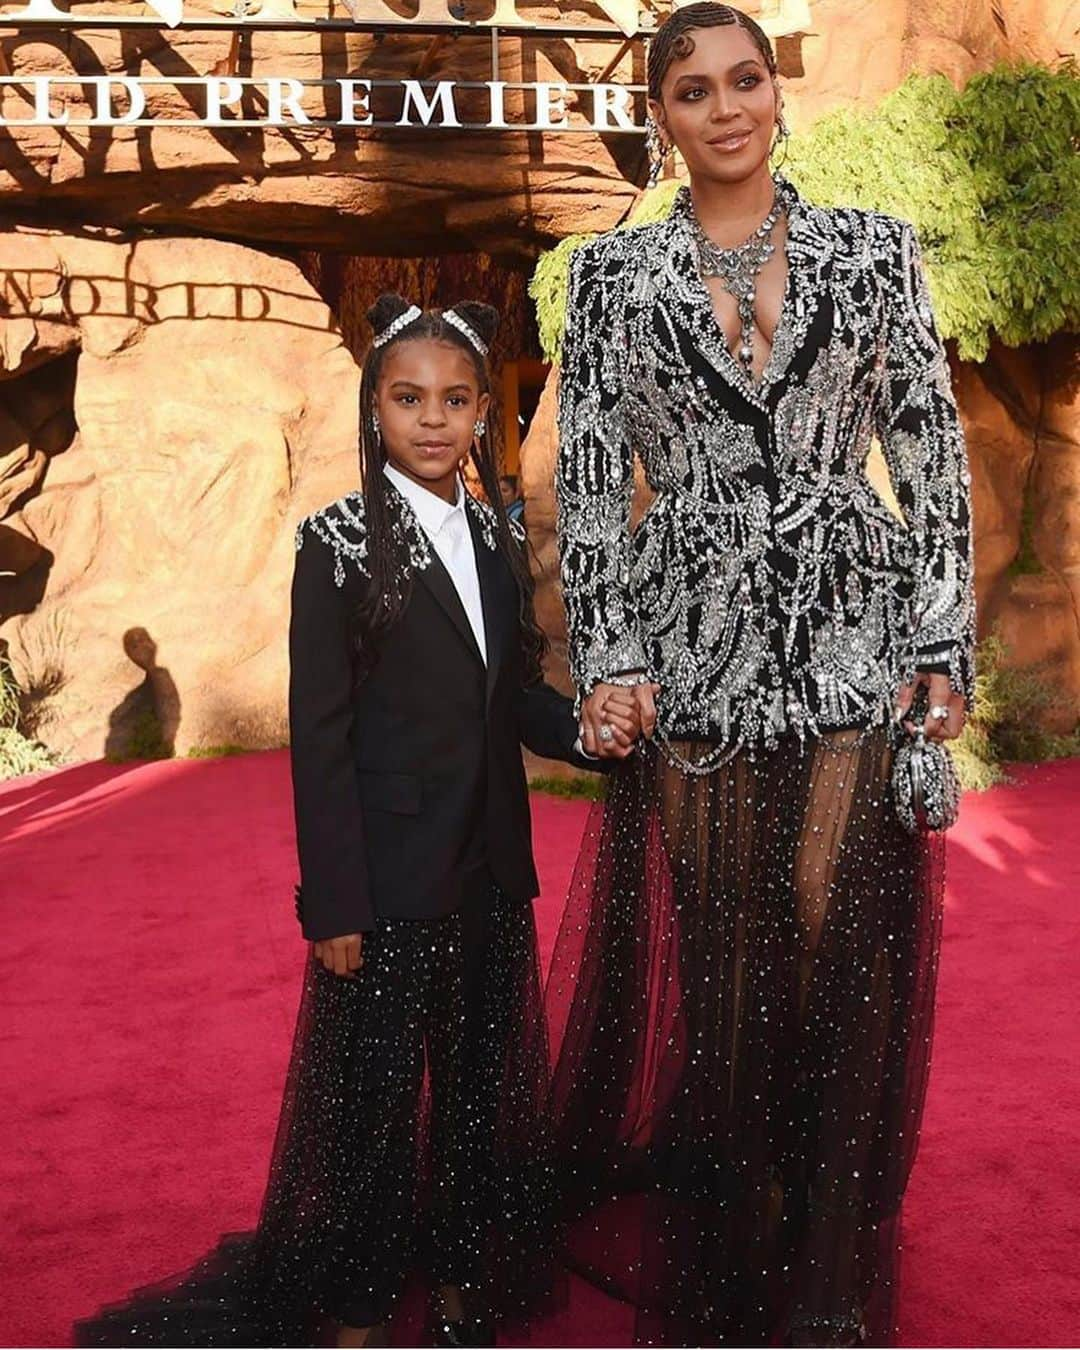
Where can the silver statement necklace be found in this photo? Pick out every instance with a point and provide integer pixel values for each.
(737, 269)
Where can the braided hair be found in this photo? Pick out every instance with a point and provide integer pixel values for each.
(390, 585)
(674, 41)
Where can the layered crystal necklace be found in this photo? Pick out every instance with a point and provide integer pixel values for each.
(737, 269)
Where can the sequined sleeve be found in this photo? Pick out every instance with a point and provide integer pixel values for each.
(594, 478)
(923, 443)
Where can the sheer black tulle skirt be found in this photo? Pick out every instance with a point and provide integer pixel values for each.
(741, 1004)
(410, 1140)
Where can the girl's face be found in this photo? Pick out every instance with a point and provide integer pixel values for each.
(428, 399)
(719, 105)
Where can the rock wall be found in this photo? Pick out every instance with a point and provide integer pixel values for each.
(411, 194)
(161, 431)
(167, 428)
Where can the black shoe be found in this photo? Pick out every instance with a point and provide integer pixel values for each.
(472, 1332)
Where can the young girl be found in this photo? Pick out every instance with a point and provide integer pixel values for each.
(410, 1133)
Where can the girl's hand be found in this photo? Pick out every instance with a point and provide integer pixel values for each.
(341, 955)
(940, 695)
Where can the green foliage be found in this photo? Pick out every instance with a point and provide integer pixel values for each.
(147, 741)
(592, 787)
(1005, 726)
(19, 753)
(216, 751)
(547, 290)
(989, 176)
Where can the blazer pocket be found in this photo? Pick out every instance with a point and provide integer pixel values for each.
(400, 793)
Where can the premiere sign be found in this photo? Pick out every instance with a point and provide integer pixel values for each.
(228, 99)
(236, 101)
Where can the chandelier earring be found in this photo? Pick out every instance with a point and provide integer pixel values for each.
(658, 150)
(376, 428)
(783, 135)
(479, 428)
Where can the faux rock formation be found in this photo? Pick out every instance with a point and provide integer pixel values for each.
(420, 192)
(215, 405)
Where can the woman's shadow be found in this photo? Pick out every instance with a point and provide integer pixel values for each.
(144, 724)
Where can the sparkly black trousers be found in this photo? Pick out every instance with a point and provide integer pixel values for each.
(741, 1004)
(410, 1139)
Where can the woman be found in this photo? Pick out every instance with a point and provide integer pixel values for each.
(744, 983)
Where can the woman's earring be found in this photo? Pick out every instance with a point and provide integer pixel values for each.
(658, 150)
(783, 135)
(479, 428)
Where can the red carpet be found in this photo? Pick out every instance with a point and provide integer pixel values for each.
(150, 971)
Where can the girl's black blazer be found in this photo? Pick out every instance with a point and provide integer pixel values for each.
(404, 783)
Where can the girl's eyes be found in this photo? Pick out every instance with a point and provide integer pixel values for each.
(455, 400)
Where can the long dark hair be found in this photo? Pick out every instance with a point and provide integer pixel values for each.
(389, 568)
(673, 40)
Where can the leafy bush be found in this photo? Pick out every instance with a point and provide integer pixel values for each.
(989, 175)
(592, 787)
(19, 753)
(1004, 727)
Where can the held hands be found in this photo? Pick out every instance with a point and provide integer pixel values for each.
(627, 713)
(941, 699)
(341, 955)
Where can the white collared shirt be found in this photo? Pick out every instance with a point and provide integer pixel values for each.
(447, 526)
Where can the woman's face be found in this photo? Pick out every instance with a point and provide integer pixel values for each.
(428, 400)
(719, 105)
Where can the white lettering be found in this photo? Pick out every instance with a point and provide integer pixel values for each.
(497, 115)
(612, 101)
(425, 107)
(172, 11)
(220, 91)
(136, 99)
(354, 97)
(551, 104)
(42, 112)
(39, 9)
(431, 105)
(282, 94)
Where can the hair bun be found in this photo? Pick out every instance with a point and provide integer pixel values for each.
(483, 319)
(385, 310)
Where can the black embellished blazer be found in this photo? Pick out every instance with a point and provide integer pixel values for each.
(768, 588)
(407, 781)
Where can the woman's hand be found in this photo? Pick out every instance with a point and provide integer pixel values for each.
(627, 712)
(940, 695)
(341, 955)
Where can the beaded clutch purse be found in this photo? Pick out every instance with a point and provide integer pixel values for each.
(926, 790)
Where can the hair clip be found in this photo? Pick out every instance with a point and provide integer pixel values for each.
(467, 331)
(391, 330)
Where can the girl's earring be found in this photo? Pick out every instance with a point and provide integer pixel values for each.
(376, 428)
(479, 428)
(658, 150)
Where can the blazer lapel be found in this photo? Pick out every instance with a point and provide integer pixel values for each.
(809, 251)
(437, 580)
(496, 595)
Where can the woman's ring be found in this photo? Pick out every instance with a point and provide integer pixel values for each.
(606, 733)
(939, 712)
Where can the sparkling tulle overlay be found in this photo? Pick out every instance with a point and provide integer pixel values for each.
(741, 1004)
(410, 1140)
